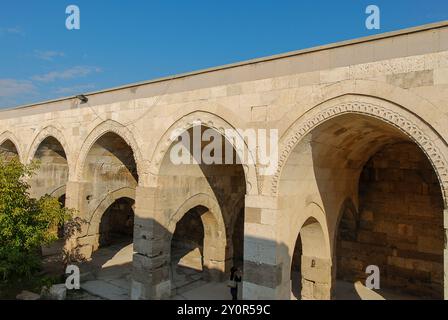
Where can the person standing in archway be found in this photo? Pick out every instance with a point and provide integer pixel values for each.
(235, 278)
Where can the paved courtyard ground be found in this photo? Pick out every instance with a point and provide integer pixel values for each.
(108, 276)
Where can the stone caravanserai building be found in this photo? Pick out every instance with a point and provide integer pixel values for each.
(361, 180)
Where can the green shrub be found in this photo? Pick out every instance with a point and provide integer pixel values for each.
(25, 223)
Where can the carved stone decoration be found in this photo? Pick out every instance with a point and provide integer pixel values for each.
(304, 126)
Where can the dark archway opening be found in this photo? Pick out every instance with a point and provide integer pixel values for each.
(238, 241)
(187, 249)
(399, 226)
(310, 265)
(8, 150)
(296, 270)
(189, 237)
(117, 223)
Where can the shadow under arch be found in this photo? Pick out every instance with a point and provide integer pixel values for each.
(108, 200)
(349, 218)
(45, 133)
(105, 127)
(212, 121)
(235, 232)
(327, 161)
(53, 164)
(215, 238)
(218, 186)
(223, 182)
(310, 264)
(387, 227)
(9, 144)
(399, 117)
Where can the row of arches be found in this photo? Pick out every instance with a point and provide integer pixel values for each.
(353, 190)
(200, 230)
(110, 177)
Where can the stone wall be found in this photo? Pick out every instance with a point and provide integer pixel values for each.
(399, 226)
(53, 168)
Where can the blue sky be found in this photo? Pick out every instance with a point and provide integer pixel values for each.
(122, 42)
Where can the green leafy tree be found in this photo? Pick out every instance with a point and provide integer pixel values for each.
(26, 223)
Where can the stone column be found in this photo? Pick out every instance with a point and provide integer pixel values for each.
(74, 196)
(151, 261)
(214, 249)
(75, 199)
(263, 270)
(214, 259)
(316, 278)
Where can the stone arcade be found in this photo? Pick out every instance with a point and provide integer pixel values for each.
(362, 176)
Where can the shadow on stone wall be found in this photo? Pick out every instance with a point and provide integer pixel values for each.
(154, 275)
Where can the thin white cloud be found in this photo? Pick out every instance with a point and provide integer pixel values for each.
(12, 31)
(13, 87)
(16, 91)
(71, 73)
(48, 55)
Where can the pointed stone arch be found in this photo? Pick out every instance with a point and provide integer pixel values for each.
(109, 126)
(209, 120)
(8, 135)
(215, 236)
(46, 132)
(50, 138)
(108, 200)
(200, 199)
(315, 254)
(407, 122)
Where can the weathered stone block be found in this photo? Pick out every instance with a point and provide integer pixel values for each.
(265, 275)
